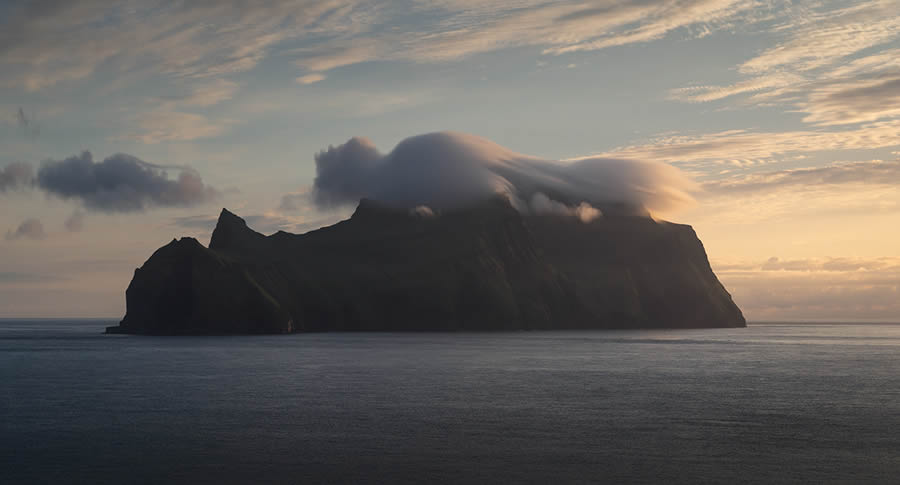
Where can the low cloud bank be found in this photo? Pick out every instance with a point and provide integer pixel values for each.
(447, 170)
(121, 183)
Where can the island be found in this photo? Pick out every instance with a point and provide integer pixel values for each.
(482, 268)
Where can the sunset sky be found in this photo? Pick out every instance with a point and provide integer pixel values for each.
(786, 115)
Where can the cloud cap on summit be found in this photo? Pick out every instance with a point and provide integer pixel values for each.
(445, 170)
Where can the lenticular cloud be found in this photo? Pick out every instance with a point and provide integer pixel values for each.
(448, 170)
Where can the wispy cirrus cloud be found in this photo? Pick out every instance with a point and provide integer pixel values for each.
(458, 29)
(824, 37)
(762, 84)
(65, 41)
(210, 94)
(862, 188)
(310, 78)
(837, 64)
(637, 22)
(57, 41)
(874, 172)
(741, 147)
(853, 101)
(168, 125)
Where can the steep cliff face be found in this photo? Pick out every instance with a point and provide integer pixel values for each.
(186, 289)
(655, 274)
(485, 268)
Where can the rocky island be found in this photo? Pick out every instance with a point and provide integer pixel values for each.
(486, 267)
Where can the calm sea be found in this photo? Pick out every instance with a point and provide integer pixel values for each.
(769, 403)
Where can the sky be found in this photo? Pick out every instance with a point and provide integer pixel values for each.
(125, 124)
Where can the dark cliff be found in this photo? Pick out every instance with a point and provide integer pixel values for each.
(485, 268)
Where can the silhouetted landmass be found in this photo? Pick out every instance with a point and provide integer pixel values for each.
(484, 268)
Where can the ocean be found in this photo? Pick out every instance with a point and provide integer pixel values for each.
(765, 404)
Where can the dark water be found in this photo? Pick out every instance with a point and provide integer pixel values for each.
(769, 403)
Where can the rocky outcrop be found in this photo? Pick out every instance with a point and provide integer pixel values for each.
(484, 268)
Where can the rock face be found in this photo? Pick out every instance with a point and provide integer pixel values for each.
(484, 268)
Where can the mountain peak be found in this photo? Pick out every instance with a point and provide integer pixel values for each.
(231, 232)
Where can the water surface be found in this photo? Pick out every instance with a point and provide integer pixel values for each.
(769, 403)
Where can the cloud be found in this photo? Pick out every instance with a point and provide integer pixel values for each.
(700, 94)
(874, 172)
(75, 222)
(459, 29)
(294, 201)
(823, 38)
(633, 22)
(828, 264)
(310, 78)
(812, 70)
(327, 57)
(28, 229)
(447, 169)
(853, 101)
(840, 288)
(738, 146)
(62, 42)
(121, 183)
(824, 199)
(15, 175)
(66, 41)
(541, 204)
(211, 93)
(422, 211)
(165, 125)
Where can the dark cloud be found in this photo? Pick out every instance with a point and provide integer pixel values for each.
(445, 170)
(29, 229)
(122, 183)
(75, 222)
(871, 172)
(15, 175)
